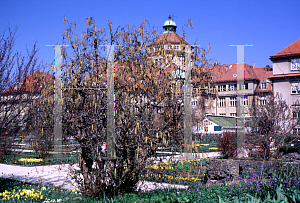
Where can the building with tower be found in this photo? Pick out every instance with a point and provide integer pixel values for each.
(168, 48)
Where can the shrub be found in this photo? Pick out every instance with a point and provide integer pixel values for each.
(227, 144)
(288, 149)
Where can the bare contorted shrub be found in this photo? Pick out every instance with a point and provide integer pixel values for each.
(227, 144)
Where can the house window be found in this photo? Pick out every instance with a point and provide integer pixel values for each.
(296, 114)
(217, 128)
(222, 114)
(262, 101)
(221, 88)
(222, 101)
(194, 103)
(263, 85)
(232, 101)
(295, 87)
(233, 114)
(245, 101)
(295, 64)
(232, 87)
(296, 131)
(244, 86)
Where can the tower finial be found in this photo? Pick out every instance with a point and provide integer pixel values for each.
(169, 25)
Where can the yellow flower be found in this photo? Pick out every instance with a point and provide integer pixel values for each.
(30, 160)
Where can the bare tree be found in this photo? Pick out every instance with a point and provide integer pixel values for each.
(270, 120)
(14, 87)
(148, 104)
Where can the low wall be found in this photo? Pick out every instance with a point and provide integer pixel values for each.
(218, 169)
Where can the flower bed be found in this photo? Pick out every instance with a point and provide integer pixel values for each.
(31, 158)
(278, 184)
(178, 172)
(16, 191)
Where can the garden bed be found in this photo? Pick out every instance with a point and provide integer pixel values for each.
(17, 191)
(184, 172)
(279, 184)
(32, 159)
(218, 169)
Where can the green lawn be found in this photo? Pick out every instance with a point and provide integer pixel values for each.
(32, 158)
(276, 186)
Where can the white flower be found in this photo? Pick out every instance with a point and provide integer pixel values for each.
(43, 188)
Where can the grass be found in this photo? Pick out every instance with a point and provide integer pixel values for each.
(17, 191)
(274, 184)
(32, 159)
(227, 190)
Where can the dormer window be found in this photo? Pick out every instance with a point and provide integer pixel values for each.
(18, 85)
(263, 85)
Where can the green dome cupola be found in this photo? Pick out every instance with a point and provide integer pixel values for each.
(169, 26)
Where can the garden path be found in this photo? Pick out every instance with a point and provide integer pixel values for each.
(58, 175)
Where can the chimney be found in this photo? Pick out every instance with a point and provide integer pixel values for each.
(267, 66)
(253, 65)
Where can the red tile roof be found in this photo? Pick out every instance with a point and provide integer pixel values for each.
(32, 83)
(226, 73)
(292, 49)
(171, 38)
(263, 73)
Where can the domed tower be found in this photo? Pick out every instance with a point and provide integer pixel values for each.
(169, 26)
(169, 45)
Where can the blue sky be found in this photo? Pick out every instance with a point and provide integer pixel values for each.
(269, 25)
